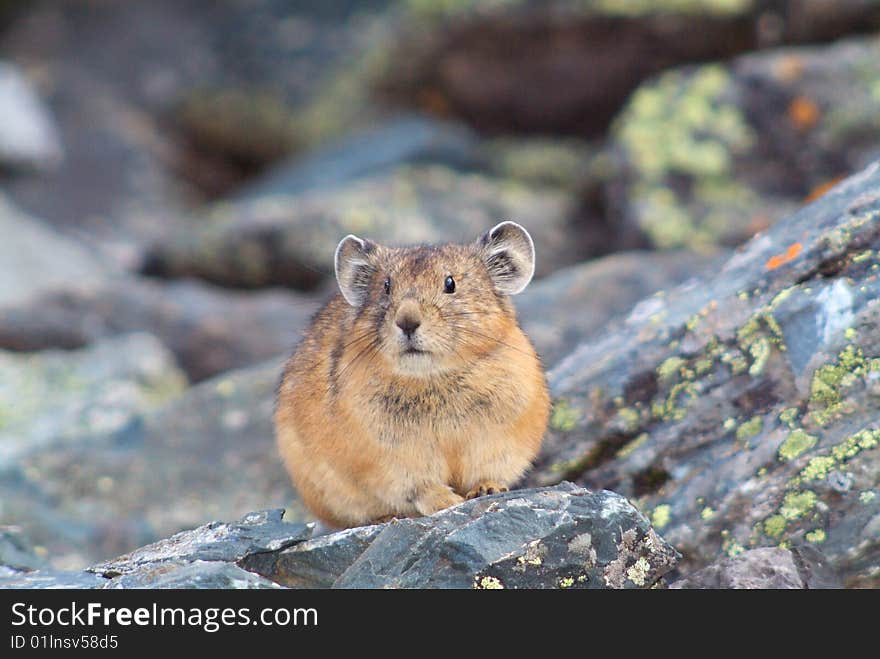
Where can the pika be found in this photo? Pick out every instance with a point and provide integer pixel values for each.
(414, 388)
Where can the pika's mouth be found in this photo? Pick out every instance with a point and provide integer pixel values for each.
(414, 351)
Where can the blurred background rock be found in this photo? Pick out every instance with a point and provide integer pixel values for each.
(174, 175)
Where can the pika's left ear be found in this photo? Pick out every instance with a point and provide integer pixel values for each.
(509, 254)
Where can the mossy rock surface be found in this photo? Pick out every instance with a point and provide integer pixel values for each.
(710, 155)
(740, 409)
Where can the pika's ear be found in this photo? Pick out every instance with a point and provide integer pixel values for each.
(354, 268)
(509, 254)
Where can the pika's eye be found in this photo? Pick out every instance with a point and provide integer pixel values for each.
(387, 285)
(449, 285)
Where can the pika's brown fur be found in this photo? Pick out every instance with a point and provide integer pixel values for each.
(406, 397)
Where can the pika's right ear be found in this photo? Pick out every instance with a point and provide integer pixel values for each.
(354, 268)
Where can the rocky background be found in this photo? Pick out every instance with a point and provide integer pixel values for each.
(701, 179)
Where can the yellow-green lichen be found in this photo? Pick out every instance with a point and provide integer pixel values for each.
(707, 513)
(863, 256)
(867, 496)
(629, 418)
(660, 516)
(564, 417)
(774, 526)
(671, 367)
(829, 382)
(788, 416)
(674, 407)
(633, 445)
(796, 505)
(818, 468)
(816, 536)
(760, 352)
(681, 124)
(797, 442)
(566, 582)
(638, 572)
(750, 428)
(732, 547)
(488, 583)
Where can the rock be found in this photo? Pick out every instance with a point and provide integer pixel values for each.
(562, 310)
(16, 551)
(403, 140)
(209, 330)
(562, 537)
(204, 557)
(58, 403)
(191, 102)
(207, 454)
(28, 137)
(290, 240)
(766, 567)
(58, 398)
(456, 58)
(711, 155)
(35, 259)
(741, 410)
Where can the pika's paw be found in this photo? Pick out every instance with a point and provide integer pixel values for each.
(436, 498)
(486, 487)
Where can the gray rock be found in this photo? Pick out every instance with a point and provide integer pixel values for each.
(54, 579)
(713, 154)
(196, 575)
(765, 568)
(409, 139)
(57, 398)
(696, 407)
(145, 69)
(206, 454)
(28, 137)
(564, 309)
(290, 240)
(204, 557)
(34, 259)
(563, 537)
(255, 533)
(209, 330)
(16, 551)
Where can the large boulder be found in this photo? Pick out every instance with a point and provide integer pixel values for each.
(564, 309)
(741, 410)
(562, 537)
(289, 240)
(568, 65)
(710, 155)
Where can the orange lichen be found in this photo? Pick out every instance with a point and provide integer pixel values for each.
(803, 113)
(821, 189)
(781, 259)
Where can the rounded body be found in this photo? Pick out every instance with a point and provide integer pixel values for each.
(414, 399)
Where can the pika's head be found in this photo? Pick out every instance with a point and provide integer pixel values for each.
(434, 308)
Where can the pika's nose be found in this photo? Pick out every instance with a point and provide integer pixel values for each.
(408, 324)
